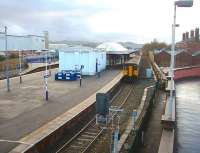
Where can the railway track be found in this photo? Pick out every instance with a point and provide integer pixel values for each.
(131, 102)
(92, 138)
(83, 140)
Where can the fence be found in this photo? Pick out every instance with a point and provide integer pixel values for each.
(13, 64)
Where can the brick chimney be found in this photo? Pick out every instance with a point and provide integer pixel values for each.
(184, 37)
(187, 36)
(197, 34)
(192, 34)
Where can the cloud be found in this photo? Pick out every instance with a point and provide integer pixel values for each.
(97, 20)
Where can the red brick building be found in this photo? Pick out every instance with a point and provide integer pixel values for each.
(162, 58)
(190, 46)
(196, 58)
(188, 54)
(183, 58)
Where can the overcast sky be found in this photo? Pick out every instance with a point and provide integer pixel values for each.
(98, 20)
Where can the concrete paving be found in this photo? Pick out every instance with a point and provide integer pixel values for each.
(153, 132)
(23, 109)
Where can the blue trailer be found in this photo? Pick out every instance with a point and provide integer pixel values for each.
(68, 75)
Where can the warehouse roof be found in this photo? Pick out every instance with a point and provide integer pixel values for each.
(25, 42)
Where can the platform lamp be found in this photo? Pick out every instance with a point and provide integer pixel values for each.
(179, 3)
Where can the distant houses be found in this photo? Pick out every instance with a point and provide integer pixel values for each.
(182, 58)
(187, 52)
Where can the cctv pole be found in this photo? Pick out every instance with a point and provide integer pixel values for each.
(7, 61)
(49, 63)
(80, 83)
(20, 67)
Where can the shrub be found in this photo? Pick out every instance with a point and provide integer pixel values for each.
(2, 58)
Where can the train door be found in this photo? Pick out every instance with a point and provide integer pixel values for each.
(130, 70)
(125, 71)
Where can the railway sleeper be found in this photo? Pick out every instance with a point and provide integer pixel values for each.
(74, 146)
(91, 133)
(83, 139)
(88, 136)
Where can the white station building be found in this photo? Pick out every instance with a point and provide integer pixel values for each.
(116, 53)
(93, 60)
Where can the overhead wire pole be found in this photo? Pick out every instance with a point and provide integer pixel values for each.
(7, 61)
(116, 136)
(115, 129)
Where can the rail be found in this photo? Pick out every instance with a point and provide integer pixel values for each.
(85, 138)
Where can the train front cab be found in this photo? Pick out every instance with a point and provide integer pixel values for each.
(130, 71)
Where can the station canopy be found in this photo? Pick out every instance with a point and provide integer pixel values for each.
(113, 48)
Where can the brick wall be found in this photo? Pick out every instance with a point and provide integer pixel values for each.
(183, 59)
(162, 59)
(189, 46)
(196, 60)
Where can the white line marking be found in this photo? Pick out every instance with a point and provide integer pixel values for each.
(12, 141)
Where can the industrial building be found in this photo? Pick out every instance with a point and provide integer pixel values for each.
(25, 43)
(116, 53)
(182, 57)
(57, 47)
(72, 58)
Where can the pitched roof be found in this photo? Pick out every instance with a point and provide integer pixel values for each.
(196, 53)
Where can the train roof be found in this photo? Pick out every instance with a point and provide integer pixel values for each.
(134, 60)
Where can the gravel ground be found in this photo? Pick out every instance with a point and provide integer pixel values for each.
(102, 145)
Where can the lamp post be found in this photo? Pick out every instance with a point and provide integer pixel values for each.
(179, 3)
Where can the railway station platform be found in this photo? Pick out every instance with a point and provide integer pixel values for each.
(23, 109)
